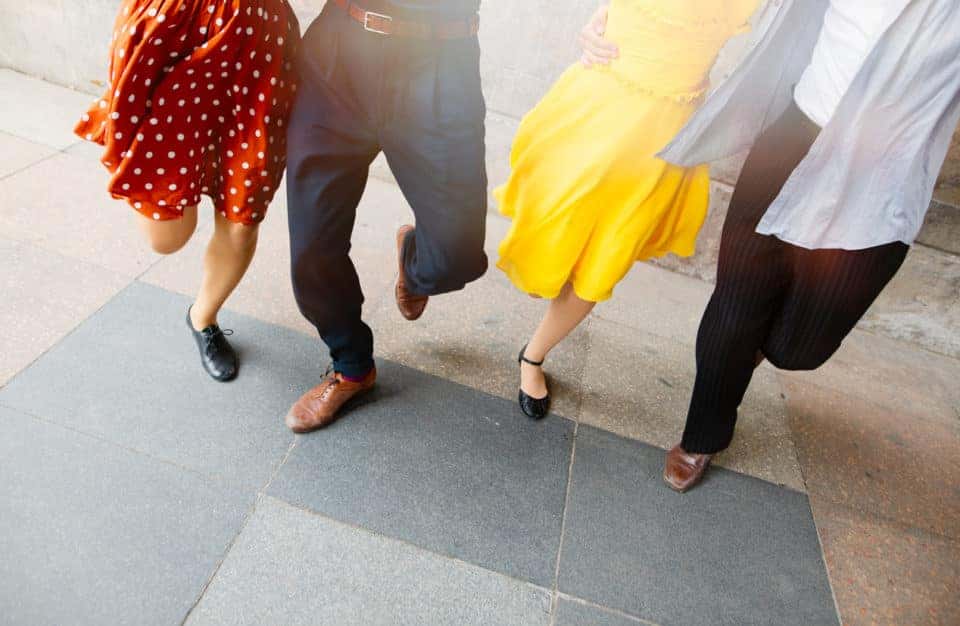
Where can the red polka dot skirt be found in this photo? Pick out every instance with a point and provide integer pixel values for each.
(199, 96)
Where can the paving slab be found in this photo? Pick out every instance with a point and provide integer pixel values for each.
(45, 296)
(735, 550)
(892, 374)
(884, 572)
(131, 375)
(95, 534)
(39, 111)
(638, 385)
(266, 291)
(885, 463)
(293, 567)
(443, 466)
(572, 613)
(473, 336)
(61, 204)
(659, 302)
(921, 305)
(17, 153)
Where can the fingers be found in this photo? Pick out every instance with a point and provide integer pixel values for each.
(596, 49)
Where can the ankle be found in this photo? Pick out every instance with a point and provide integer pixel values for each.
(201, 319)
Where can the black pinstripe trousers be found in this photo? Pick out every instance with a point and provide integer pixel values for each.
(793, 305)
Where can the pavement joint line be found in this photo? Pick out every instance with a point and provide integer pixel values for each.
(374, 533)
(220, 562)
(826, 568)
(276, 471)
(72, 330)
(617, 612)
(53, 154)
(865, 400)
(215, 478)
(563, 527)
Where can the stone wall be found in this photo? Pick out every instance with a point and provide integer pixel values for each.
(526, 45)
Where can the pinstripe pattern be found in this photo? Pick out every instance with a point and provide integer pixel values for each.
(792, 304)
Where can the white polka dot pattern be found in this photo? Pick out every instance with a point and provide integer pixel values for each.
(199, 96)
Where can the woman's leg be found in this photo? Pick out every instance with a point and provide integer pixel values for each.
(228, 256)
(169, 236)
(565, 313)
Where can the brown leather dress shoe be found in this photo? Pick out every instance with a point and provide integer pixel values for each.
(319, 406)
(411, 305)
(684, 469)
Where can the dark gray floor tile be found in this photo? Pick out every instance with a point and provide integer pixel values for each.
(293, 567)
(91, 533)
(570, 613)
(443, 466)
(736, 550)
(131, 374)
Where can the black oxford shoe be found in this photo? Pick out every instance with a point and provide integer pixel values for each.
(216, 353)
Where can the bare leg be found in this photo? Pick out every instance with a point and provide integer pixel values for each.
(169, 236)
(565, 313)
(228, 256)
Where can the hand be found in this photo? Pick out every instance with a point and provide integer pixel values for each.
(596, 49)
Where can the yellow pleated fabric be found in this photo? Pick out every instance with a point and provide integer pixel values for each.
(587, 195)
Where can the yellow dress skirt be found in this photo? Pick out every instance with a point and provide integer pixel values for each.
(587, 195)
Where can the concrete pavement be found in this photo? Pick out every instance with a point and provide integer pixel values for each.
(136, 491)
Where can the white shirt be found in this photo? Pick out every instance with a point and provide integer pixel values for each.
(851, 28)
(869, 176)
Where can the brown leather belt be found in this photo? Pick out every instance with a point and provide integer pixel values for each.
(386, 25)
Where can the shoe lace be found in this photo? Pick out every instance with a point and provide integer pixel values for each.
(331, 380)
(213, 338)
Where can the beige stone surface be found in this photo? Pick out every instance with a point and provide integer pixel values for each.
(39, 111)
(891, 374)
(17, 153)
(883, 572)
(638, 385)
(659, 302)
(266, 292)
(45, 296)
(61, 205)
(473, 337)
(922, 303)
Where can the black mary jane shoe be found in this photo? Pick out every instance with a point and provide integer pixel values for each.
(534, 408)
(216, 353)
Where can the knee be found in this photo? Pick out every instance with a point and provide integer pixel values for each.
(242, 237)
(167, 243)
(797, 359)
(473, 267)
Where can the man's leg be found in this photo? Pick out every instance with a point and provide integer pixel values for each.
(829, 293)
(435, 148)
(330, 149)
(753, 274)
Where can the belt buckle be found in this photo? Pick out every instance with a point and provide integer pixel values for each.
(366, 22)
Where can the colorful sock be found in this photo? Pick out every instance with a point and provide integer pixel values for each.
(356, 379)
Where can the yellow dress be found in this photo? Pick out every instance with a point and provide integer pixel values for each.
(587, 195)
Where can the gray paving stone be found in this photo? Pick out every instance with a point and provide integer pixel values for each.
(131, 375)
(442, 466)
(570, 613)
(45, 296)
(736, 550)
(94, 534)
(293, 567)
